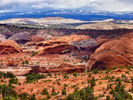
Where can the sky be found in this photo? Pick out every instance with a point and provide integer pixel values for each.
(39, 5)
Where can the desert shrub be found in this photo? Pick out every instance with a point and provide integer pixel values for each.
(49, 74)
(119, 93)
(25, 62)
(75, 74)
(8, 75)
(13, 81)
(24, 96)
(7, 92)
(84, 94)
(129, 68)
(114, 68)
(53, 91)
(34, 77)
(34, 53)
(118, 79)
(95, 71)
(58, 83)
(47, 80)
(64, 91)
(92, 82)
(132, 79)
(89, 74)
(108, 97)
(65, 76)
(32, 97)
(45, 92)
(107, 71)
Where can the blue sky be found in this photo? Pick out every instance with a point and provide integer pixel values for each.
(98, 5)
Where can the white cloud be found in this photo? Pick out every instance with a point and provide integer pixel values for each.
(107, 5)
(4, 11)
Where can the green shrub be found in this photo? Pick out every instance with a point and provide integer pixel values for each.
(7, 91)
(95, 71)
(119, 93)
(32, 97)
(75, 74)
(45, 92)
(13, 81)
(108, 97)
(34, 53)
(24, 96)
(53, 91)
(8, 75)
(92, 82)
(64, 91)
(34, 77)
(84, 94)
(65, 76)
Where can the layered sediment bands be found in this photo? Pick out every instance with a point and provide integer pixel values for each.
(62, 68)
(65, 31)
(115, 53)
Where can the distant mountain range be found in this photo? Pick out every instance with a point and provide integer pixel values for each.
(73, 14)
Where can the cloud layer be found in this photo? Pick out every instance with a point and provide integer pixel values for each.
(100, 5)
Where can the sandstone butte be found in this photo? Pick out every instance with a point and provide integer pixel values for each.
(114, 53)
(9, 46)
(60, 44)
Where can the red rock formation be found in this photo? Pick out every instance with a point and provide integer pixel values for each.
(60, 44)
(57, 49)
(37, 39)
(9, 46)
(115, 53)
(34, 40)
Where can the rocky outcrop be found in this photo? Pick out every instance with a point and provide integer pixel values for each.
(115, 53)
(57, 49)
(34, 40)
(60, 45)
(62, 68)
(9, 46)
(85, 44)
